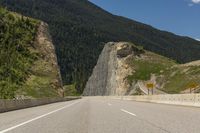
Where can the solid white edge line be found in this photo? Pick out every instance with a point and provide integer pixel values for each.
(123, 110)
(36, 118)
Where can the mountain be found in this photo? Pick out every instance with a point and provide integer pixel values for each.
(80, 29)
(28, 63)
(125, 69)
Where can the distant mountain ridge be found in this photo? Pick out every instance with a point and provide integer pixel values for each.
(80, 29)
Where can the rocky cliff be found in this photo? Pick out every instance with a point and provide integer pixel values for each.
(46, 76)
(44, 79)
(109, 75)
(28, 63)
(126, 69)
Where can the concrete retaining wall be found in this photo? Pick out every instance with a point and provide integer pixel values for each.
(175, 99)
(9, 105)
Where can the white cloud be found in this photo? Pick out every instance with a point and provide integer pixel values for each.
(190, 4)
(196, 1)
(198, 39)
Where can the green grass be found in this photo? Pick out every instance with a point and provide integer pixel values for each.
(144, 69)
(176, 83)
(39, 87)
(150, 64)
(180, 80)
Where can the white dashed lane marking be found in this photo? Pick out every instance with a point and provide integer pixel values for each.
(125, 111)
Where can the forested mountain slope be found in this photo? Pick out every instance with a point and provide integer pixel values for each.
(28, 64)
(80, 29)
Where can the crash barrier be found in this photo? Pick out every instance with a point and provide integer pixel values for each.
(175, 99)
(15, 104)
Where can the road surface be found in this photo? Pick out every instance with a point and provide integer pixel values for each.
(101, 115)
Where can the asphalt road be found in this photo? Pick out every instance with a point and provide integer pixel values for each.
(101, 115)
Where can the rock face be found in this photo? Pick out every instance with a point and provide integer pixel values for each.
(109, 75)
(45, 78)
(46, 49)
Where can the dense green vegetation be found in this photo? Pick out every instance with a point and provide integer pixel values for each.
(79, 30)
(16, 36)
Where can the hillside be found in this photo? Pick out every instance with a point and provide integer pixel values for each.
(109, 74)
(125, 69)
(80, 29)
(28, 64)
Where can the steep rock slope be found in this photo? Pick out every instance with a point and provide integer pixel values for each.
(45, 79)
(28, 64)
(126, 69)
(109, 75)
(79, 27)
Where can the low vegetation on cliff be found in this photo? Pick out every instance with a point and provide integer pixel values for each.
(171, 77)
(16, 36)
(179, 79)
(22, 64)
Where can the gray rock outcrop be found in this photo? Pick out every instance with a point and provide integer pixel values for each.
(109, 75)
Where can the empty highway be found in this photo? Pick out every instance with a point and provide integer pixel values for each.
(102, 115)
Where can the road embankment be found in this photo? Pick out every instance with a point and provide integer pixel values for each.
(15, 104)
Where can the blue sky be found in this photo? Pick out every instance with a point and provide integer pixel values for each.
(181, 17)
